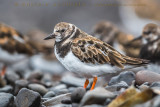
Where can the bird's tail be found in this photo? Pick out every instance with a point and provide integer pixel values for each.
(135, 61)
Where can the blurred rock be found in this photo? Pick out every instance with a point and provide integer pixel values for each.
(155, 85)
(28, 98)
(38, 88)
(6, 100)
(20, 84)
(62, 105)
(127, 77)
(36, 75)
(58, 87)
(147, 76)
(71, 89)
(93, 105)
(2, 82)
(75, 105)
(66, 101)
(117, 87)
(49, 94)
(56, 100)
(78, 94)
(62, 91)
(11, 77)
(71, 80)
(97, 96)
(7, 89)
(155, 102)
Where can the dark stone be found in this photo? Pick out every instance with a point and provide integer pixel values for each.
(77, 94)
(66, 101)
(37, 75)
(127, 77)
(7, 89)
(28, 98)
(6, 100)
(62, 91)
(19, 84)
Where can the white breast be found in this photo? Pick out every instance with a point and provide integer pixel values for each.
(88, 70)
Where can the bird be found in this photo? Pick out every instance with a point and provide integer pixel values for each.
(111, 34)
(86, 55)
(150, 39)
(14, 46)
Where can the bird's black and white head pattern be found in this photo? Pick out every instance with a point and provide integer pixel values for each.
(150, 33)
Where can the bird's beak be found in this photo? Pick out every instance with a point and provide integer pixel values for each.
(138, 38)
(51, 36)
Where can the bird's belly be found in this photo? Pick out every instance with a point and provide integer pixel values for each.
(87, 70)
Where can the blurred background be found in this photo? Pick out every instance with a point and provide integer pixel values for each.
(38, 17)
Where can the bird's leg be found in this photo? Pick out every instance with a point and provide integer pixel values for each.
(94, 83)
(3, 70)
(86, 83)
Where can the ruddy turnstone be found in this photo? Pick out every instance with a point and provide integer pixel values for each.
(86, 55)
(14, 44)
(109, 33)
(150, 42)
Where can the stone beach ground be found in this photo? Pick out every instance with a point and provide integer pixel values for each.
(44, 89)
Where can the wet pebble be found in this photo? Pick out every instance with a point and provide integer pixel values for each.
(28, 98)
(117, 87)
(7, 89)
(11, 77)
(6, 100)
(147, 76)
(49, 94)
(35, 75)
(20, 84)
(78, 94)
(56, 100)
(96, 96)
(127, 77)
(38, 88)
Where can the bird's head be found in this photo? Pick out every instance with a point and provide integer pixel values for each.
(61, 31)
(150, 33)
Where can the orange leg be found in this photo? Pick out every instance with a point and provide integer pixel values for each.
(86, 83)
(94, 83)
(3, 71)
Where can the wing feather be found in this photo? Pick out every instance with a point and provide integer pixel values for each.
(92, 50)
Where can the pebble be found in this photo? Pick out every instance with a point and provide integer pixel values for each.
(11, 77)
(72, 81)
(20, 84)
(49, 94)
(35, 75)
(155, 85)
(28, 98)
(62, 105)
(117, 87)
(58, 87)
(78, 94)
(147, 76)
(62, 91)
(66, 101)
(96, 96)
(126, 76)
(56, 100)
(7, 89)
(38, 88)
(6, 100)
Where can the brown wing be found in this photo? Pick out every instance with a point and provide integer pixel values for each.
(13, 41)
(92, 50)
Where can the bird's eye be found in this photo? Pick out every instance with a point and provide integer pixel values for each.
(62, 30)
